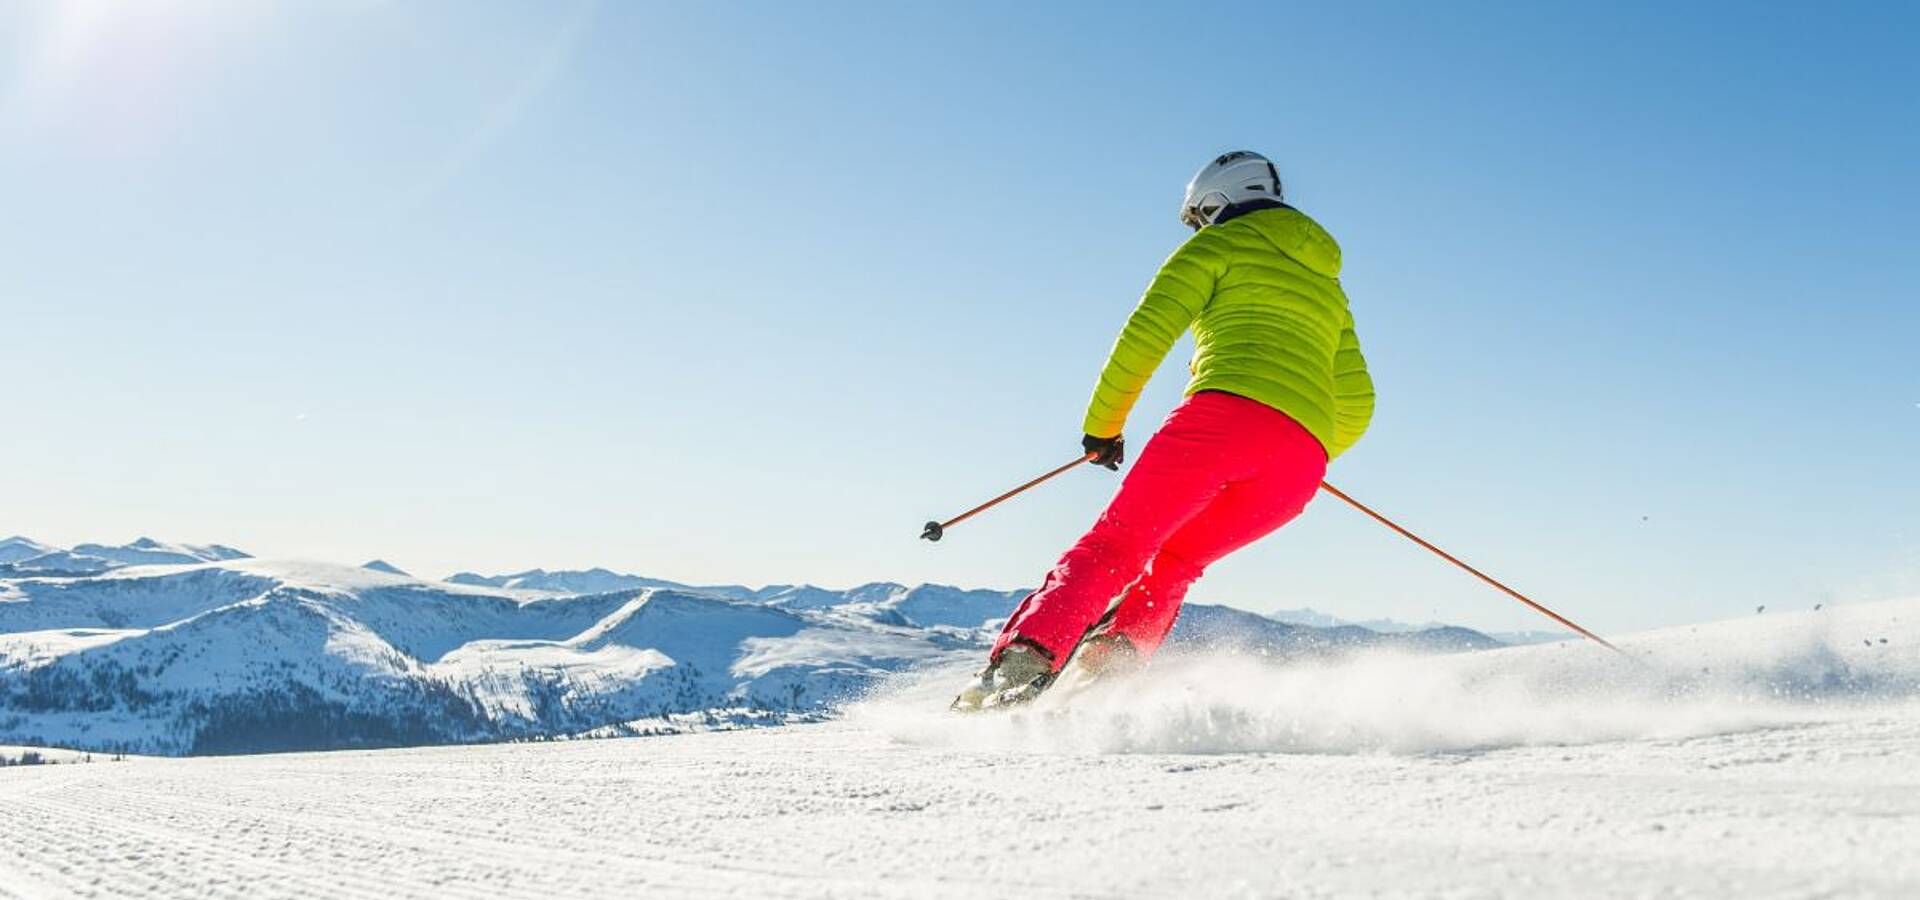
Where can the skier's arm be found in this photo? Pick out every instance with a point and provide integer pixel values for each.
(1352, 392)
(1174, 299)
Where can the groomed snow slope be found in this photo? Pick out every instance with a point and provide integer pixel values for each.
(1761, 672)
(1773, 757)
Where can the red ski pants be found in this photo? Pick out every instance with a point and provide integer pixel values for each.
(1222, 472)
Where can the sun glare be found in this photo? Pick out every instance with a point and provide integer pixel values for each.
(112, 79)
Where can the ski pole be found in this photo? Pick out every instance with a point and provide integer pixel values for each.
(935, 530)
(1329, 488)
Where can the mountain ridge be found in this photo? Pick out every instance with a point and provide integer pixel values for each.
(239, 654)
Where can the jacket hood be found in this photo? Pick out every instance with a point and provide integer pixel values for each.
(1291, 232)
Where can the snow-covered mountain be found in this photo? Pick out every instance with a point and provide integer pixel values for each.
(149, 552)
(1307, 616)
(589, 581)
(24, 556)
(226, 653)
(1223, 627)
(17, 548)
(247, 655)
(1316, 619)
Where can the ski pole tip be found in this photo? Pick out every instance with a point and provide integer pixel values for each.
(933, 531)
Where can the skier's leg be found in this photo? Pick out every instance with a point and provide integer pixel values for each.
(1244, 512)
(1147, 611)
(1182, 470)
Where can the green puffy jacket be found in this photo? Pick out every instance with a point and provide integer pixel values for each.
(1261, 292)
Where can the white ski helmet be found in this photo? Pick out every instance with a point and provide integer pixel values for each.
(1231, 178)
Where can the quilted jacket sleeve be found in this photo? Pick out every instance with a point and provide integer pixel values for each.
(1353, 392)
(1175, 298)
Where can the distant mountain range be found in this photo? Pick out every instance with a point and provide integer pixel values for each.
(164, 648)
(20, 555)
(1317, 619)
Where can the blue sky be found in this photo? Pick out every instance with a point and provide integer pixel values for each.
(746, 292)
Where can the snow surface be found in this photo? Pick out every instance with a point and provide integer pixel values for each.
(15, 755)
(1774, 756)
(1692, 681)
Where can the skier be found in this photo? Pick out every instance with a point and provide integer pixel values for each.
(1279, 388)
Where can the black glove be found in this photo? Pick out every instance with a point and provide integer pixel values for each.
(1111, 452)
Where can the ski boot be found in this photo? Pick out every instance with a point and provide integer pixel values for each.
(1101, 657)
(1105, 655)
(1018, 675)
